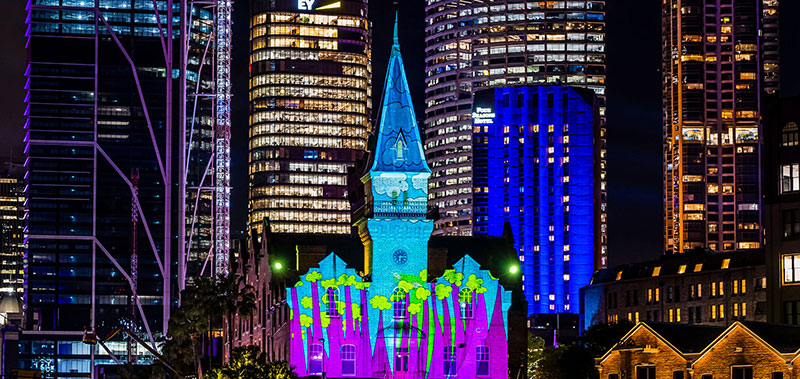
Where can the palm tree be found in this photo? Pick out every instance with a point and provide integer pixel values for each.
(203, 307)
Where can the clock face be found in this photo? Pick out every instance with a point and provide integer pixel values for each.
(400, 257)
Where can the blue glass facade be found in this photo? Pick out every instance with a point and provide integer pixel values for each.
(536, 170)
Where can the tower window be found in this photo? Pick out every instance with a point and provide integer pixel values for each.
(466, 301)
(399, 304)
(331, 298)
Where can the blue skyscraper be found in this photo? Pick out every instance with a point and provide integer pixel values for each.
(536, 170)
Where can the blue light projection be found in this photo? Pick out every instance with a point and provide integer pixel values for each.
(542, 180)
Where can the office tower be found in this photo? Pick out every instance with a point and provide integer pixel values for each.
(310, 105)
(12, 227)
(719, 59)
(782, 188)
(105, 161)
(537, 169)
(476, 44)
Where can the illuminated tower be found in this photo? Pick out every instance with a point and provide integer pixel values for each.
(719, 59)
(477, 44)
(310, 105)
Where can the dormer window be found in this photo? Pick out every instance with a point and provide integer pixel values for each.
(399, 147)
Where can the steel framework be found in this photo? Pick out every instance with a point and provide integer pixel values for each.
(175, 127)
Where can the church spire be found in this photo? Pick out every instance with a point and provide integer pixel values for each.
(398, 121)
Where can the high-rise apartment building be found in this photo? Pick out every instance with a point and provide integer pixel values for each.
(719, 59)
(105, 80)
(782, 189)
(537, 171)
(12, 228)
(478, 44)
(310, 106)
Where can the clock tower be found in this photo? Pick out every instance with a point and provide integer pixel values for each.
(397, 233)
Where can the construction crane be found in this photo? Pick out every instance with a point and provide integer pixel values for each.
(222, 134)
(134, 262)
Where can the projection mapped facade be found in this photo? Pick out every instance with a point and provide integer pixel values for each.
(398, 322)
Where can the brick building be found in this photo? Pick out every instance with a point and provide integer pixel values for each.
(744, 350)
(692, 288)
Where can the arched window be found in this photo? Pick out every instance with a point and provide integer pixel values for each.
(331, 298)
(349, 360)
(482, 359)
(466, 303)
(399, 303)
(790, 135)
(316, 354)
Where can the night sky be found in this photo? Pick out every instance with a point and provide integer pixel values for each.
(633, 92)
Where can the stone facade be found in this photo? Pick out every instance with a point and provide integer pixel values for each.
(743, 350)
(693, 288)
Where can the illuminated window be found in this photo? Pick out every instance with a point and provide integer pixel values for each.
(482, 359)
(790, 135)
(331, 301)
(399, 304)
(682, 269)
(791, 268)
(348, 360)
(698, 267)
(465, 300)
(725, 264)
(316, 353)
(449, 361)
(656, 270)
(619, 275)
(790, 178)
(747, 75)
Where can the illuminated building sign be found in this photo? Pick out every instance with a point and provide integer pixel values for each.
(305, 5)
(483, 116)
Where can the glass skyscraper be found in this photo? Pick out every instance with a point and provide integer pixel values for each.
(476, 44)
(12, 228)
(310, 106)
(101, 142)
(537, 170)
(719, 59)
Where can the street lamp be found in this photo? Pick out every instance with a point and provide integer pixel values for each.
(278, 266)
(513, 269)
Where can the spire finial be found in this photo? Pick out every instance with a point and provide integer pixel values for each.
(396, 39)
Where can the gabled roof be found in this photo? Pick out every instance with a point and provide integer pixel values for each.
(398, 121)
(737, 325)
(688, 339)
(683, 339)
(783, 338)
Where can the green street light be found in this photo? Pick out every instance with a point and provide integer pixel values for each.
(278, 266)
(513, 269)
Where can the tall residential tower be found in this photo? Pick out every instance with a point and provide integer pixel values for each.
(475, 44)
(719, 60)
(310, 105)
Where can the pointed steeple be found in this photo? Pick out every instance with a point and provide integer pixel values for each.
(397, 120)
(396, 43)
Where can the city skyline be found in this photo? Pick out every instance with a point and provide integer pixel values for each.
(627, 111)
(271, 186)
